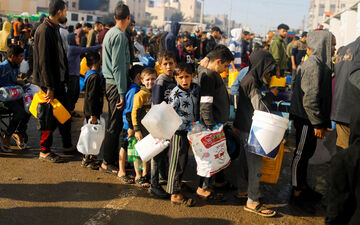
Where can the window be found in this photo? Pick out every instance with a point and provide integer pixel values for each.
(343, 5)
(89, 18)
(321, 9)
(332, 8)
(74, 4)
(74, 17)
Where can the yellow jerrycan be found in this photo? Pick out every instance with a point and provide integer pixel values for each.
(59, 111)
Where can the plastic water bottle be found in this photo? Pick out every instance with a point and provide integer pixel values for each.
(28, 97)
(131, 149)
(196, 127)
(11, 93)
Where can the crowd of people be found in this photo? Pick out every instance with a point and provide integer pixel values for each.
(189, 75)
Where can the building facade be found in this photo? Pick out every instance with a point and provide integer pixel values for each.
(320, 10)
(137, 8)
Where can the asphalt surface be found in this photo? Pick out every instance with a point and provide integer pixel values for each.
(42, 193)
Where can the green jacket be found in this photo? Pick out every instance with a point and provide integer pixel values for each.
(116, 59)
(278, 51)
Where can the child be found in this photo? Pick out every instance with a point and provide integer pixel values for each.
(214, 99)
(188, 53)
(142, 105)
(161, 92)
(94, 100)
(128, 129)
(184, 98)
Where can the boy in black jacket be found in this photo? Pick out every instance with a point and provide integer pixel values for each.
(214, 100)
(94, 99)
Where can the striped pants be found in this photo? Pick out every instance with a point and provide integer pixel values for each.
(305, 148)
(179, 147)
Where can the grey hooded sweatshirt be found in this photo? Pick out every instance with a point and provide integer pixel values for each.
(311, 99)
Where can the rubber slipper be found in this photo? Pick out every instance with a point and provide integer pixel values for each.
(52, 157)
(259, 211)
(241, 195)
(213, 196)
(188, 202)
(109, 170)
(125, 179)
(142, 182)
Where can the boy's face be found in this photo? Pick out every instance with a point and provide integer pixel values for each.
(220, 66)
(168, 66)
(149, 80)
(17, 59)
(184, 79)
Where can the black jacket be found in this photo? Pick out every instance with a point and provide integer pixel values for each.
(48, 72)
(250, 91)
(344, 192)
(94, 94)
(211, 44)
(214, 98)
(343, 98)
(311, 97)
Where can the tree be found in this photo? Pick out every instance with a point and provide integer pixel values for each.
(177, 17)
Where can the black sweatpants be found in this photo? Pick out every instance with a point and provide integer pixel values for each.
(113, 127)
(179, 148)
(20, 118)
(305, 148)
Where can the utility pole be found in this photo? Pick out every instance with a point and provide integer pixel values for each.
(229, 21)
(202, 13)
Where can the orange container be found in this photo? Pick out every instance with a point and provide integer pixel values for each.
(271, 167)
(157, 68)
(59, 111)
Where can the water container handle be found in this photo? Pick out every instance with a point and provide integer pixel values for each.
(265, 106)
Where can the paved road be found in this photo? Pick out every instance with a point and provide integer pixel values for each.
(33, 192)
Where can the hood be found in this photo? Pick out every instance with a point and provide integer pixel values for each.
(260, 60)
(71, 39)
(6, 27)
(167, 27)
(175, 27)
(236, 34)
(320, 43)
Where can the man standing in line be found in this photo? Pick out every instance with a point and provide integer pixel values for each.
(278, 50)
(214, 37)
(51, 73)
(116, 64)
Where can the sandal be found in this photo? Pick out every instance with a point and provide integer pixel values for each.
(188, 202)
(259, 210)
(109, 169)
(19, 140)
(52, 157)
(142, 182)
(213, 196)
(241, 195)
(125, 179)
(91, 163)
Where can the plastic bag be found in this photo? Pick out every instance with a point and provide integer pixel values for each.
(150, 147)
(91, 138)
(24, 66)
(210, 151)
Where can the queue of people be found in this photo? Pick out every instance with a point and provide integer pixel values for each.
(191, 83)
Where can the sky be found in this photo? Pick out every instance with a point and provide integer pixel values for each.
(261, 15)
